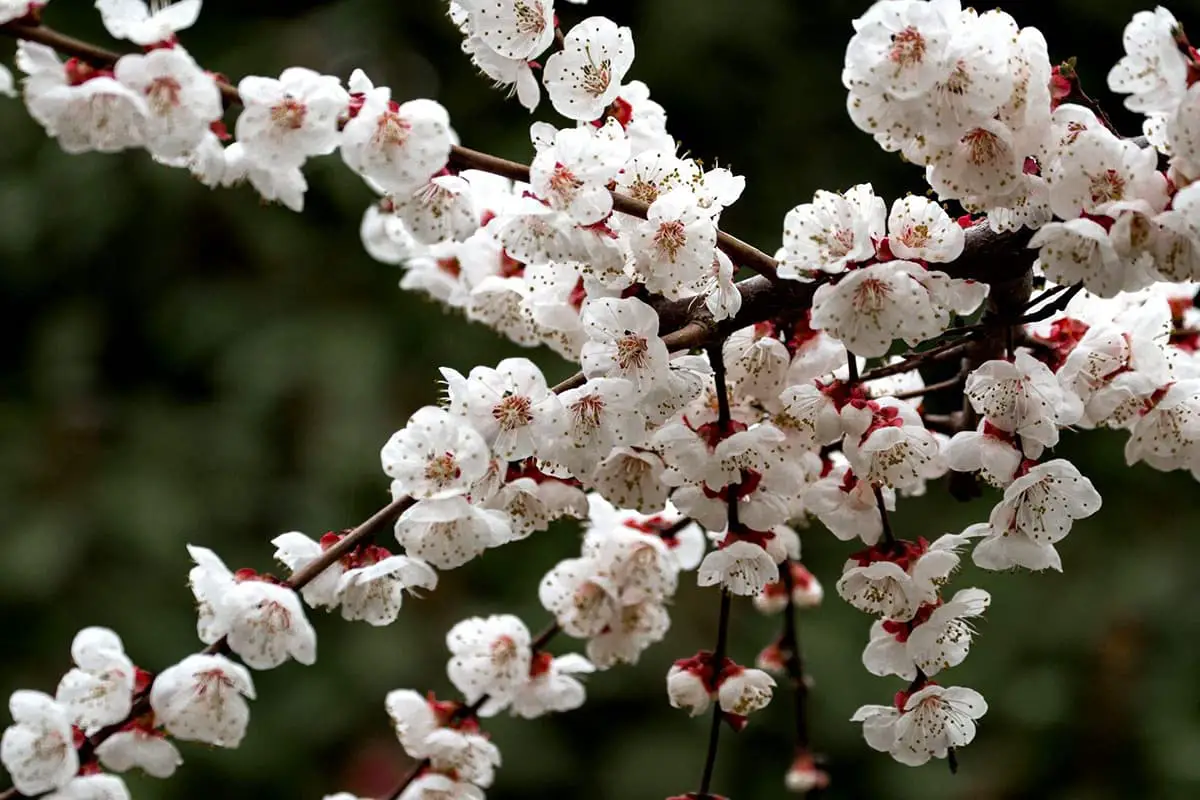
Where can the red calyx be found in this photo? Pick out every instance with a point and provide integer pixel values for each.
(884, 417)
(735, 721)
(248, 574)
(802, 333)
(701, 665)
(902, 630)
(141, 680)
(577, 296)
(903, 553)
(743, 534)
(169, 43)
(602, 228)
(450, 266)
(1064, 335)
(746, 485)
(713, 433)
(1026, 465)
(659, 526)
(79, 71)
(620, 110)
(1060, 84)
(771, 658)
(996, 433)
(529, 469)
(361, 556)
(843, 393)
(801, 577)
(510, 267)
(217, 126)
(540, 664)
(1154, 399)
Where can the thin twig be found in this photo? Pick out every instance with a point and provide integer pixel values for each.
(714, 732)
(883, 516)
(793, 660)
(1046, 295)
(851, 367)
(939, 352)
(949, 383)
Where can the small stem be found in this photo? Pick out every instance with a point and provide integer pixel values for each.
(1059, 304)
(714, 733)
(883, 516)
(1044, 296)
(716, 357)
(913, 360)
(852, 368)
(793, 660)
(949, 383)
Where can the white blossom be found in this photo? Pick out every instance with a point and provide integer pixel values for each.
(585, 76)
(203, 699)
(38, 749)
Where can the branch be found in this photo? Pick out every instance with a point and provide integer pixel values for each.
(742, 253)
(988, 257)
(739, 251)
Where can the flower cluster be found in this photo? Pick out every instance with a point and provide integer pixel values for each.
(800, 413)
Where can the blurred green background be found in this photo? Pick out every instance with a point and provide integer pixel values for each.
(181, 365)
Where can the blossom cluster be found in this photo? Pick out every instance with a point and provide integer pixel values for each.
(676, 461)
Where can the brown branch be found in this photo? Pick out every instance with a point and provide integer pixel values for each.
(739, 251)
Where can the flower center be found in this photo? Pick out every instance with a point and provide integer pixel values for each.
(870, 295)
(588, 411)
(391, 129)
(983, 146)
(596, 78)
(632, 351)
(644, 190)
(564, 183)
(503, 650)
(163, 94)
(908, 47)
(916, 236)
(442, 469)
(670, 237)
(1107, 186)
(513, 412)
(531, 18)
(288, 114)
